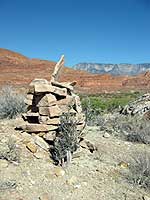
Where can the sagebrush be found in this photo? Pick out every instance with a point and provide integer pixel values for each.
(9, 151)
(139, 170)
(11, 103)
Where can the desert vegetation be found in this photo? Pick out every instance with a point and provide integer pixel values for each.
(139, 170)
(11, 103)
(96, 106)
(120, 157)
(104, 112)
(67, 141)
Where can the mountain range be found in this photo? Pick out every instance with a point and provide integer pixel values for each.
(114, 69)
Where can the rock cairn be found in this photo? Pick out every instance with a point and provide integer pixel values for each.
(47, 102)
(139, 107)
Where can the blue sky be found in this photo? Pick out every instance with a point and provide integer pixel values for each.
(102, 31)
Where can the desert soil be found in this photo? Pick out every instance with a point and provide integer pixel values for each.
(90, 176)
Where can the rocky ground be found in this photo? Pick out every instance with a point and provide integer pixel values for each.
(26, 175)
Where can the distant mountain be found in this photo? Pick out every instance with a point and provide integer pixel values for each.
(113, 69)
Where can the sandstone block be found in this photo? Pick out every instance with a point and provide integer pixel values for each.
(43, 88)
(54, 111)
(32, 114)
(69, 100)
(44, 111)
(41, 143)
(59, 91)
(43, 119)
(34, 82)
(53, 121)
(32, 147)
(47, 100)
(33, 128)
(31, 117)
(50, 136)
(64, 108)
(62, 85)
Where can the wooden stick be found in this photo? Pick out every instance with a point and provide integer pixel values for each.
(57, 68)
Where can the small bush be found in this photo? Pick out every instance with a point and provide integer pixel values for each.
(11, 103)
(66, 141)
(139, 170)
(92, 112)
(9, 151)
(134, 129)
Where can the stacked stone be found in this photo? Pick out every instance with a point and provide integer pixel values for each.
(47, 102)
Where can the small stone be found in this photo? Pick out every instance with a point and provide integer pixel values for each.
(146, 197)
(39, 155)
(32, 147)
(106, 135)
(50, 136)
(41, 143)
(83, 144)
(123, 164)
(58, 171)
(84, 183)
(72, 180)
(77, 186)
(88, 145)
(44, 196)
(3, 164)
(77, 153)
(41, 134)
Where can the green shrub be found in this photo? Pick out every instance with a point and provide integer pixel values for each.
(11, 103)
(95, 106)
(108, 102)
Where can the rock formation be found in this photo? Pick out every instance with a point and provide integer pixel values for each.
(47, 102)
(139, 107)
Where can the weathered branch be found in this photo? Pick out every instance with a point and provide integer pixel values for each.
(58, 68)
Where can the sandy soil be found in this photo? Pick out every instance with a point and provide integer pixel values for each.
(90, 176)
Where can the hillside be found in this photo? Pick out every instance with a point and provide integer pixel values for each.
(114, 69)
(18, 70)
